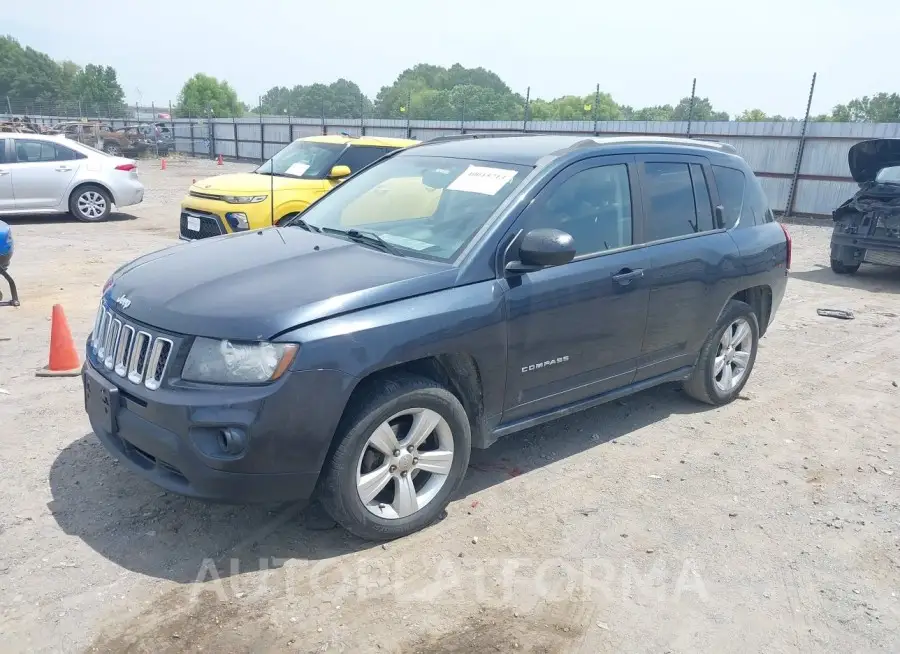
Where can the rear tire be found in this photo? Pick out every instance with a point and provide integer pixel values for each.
(842, 268)
(90, 203)
(727, 357)
(112, 149)
(380, 493)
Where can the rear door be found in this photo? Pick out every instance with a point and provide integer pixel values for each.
(694, 260)
(7, 199)
(42, 173)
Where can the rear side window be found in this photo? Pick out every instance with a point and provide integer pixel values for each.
(38, 151)
(360, 156)
(730, 183)
(677, 200)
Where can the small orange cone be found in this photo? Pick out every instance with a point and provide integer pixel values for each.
(220, 162)
(63, 356)
(162, 166)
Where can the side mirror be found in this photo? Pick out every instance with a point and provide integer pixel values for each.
(339, 172)
(543, 248)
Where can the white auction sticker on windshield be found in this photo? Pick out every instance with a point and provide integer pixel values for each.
(297, 169)
(481, 179)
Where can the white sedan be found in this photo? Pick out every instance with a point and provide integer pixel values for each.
(52, 174)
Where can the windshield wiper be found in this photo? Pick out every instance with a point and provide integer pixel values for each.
(365, 237)
(297, 221)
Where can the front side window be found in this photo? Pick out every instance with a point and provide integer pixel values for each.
(730, 182)
(303, 160)
(430, 207)
(38, 151)
(671, 208)
(360, 156)
(593, 206)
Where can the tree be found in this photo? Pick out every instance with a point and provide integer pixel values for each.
(203, 93)
(703, 110)
(97, 85)
(752, 116)
(26, 73)
(340, 99)
(656, 112)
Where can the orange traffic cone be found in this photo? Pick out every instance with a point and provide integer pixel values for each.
(63, 356)
(162, 165)
(220, 162)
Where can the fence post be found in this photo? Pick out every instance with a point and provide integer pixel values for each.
(211, 132)
(8, 105)
(691, 109)
(408, 114)
(527, 104)
(596, 102)
(191, 123)
(792, 193)
(172, 120)
(290, 128)
(362, 114)
(324, 128)
(237, 147)
(262, 134)
(462, 117)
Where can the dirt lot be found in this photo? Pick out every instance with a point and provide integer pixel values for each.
(647, 525)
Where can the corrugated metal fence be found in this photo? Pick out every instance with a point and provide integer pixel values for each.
(771, 149)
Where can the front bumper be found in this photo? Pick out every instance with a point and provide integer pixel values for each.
(171, 436)
(211, 214)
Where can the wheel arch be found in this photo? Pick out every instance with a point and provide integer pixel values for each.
(458, 372)
(82, 184)
(760, 300)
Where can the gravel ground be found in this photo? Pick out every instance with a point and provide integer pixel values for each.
(650, 524)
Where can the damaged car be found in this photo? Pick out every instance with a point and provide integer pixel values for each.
(867, 226)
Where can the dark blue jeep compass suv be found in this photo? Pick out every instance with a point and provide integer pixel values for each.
(445, 296)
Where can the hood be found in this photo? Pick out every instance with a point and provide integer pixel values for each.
(250, 184)
(254, 285)
(868, 158)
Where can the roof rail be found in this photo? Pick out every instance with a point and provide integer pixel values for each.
(477, 135)
(654, 140)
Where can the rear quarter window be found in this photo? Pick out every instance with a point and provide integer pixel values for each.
(731, 183)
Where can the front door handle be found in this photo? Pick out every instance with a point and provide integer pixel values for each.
(4, 172)
(625, 276)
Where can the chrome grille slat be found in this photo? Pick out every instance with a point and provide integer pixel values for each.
(137, 363)
(126, 340)
(129, 352)
(159, 358)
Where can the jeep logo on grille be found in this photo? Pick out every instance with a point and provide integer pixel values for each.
(123, 301)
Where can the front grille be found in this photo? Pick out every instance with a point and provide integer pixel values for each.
(210, 225)
(205, 196)
(130, 352)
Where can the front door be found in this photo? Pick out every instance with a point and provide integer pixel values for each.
(42, 173)
(575, 331)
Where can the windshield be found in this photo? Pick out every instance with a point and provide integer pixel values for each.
(889, 175)
(429, 207)
(303, 159)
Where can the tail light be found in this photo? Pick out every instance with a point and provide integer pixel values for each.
(790, 246)
(127, 167)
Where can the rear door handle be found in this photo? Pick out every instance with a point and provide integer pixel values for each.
(4, 172)
(63, 169)
(625, 276)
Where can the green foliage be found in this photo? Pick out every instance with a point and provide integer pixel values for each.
(97, 85)
(204, 95)
(340, 99)
(27, 73)
(880, 108)
(703, 110)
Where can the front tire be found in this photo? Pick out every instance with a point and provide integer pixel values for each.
(90, 204)
(402, 451)
(842, 268)
(726, 359)
(112, 149)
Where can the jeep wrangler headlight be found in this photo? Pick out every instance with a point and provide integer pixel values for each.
(226, 362)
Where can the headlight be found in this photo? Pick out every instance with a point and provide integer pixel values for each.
(244, 199)
(224, 362)
(238, 221)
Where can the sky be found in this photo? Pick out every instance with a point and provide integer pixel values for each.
(743, 55)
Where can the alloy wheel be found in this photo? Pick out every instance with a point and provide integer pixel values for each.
(733, 355)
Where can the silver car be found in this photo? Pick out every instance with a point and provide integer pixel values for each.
(52, 174)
